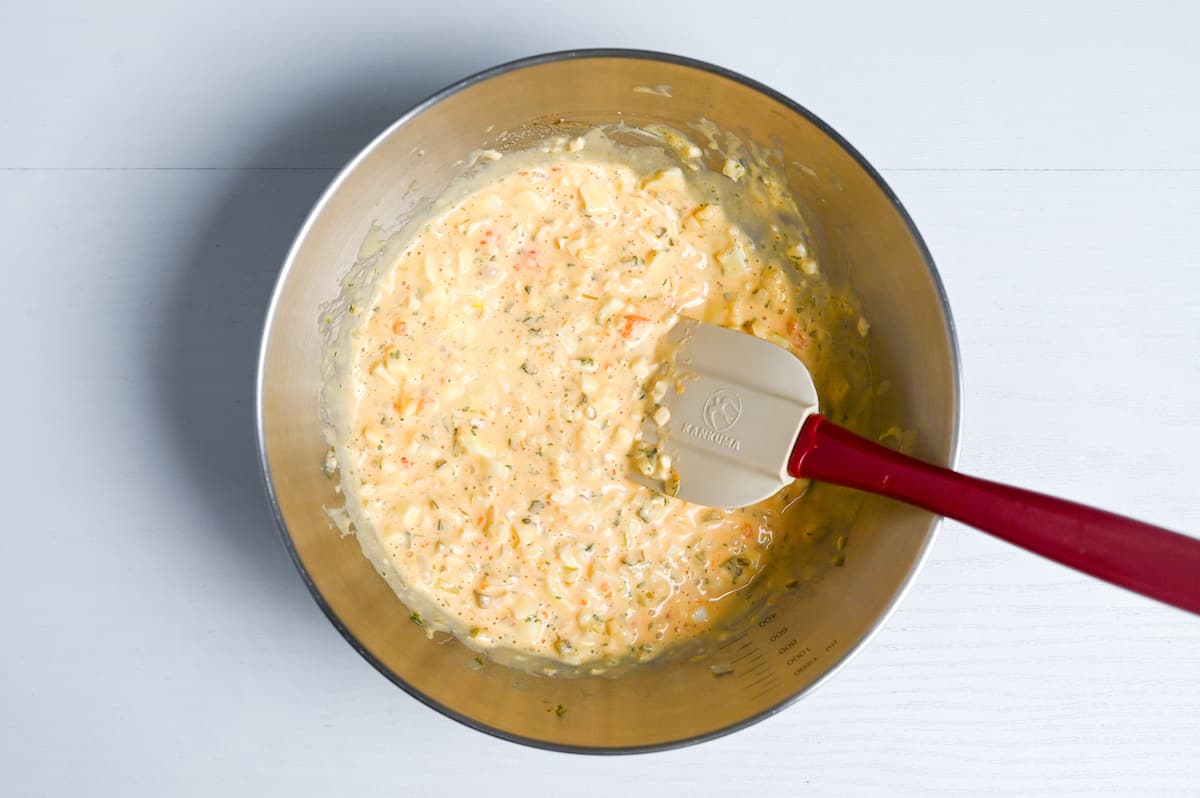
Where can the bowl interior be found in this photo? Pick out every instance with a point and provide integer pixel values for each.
(864, 240)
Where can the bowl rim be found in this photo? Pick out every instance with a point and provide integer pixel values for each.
(421, 107)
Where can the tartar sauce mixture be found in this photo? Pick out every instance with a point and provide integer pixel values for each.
(499, 379)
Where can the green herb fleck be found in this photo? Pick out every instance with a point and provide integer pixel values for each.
(736, 566)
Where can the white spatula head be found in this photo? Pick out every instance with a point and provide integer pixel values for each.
(737, 404)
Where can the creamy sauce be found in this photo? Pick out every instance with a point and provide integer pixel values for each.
(498, 379)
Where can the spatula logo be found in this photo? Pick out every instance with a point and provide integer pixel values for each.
(722, 410)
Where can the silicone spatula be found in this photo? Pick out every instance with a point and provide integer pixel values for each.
(744, 422)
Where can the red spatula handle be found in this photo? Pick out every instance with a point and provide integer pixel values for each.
(1146, 559)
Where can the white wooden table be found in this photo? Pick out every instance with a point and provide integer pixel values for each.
(155, 160)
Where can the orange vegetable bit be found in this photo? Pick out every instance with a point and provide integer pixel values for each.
(631, 323)
(527, 259)
(797, 335)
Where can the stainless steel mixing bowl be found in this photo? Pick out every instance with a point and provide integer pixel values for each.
(864, 238)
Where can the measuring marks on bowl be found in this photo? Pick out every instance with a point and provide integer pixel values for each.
(769, 656)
